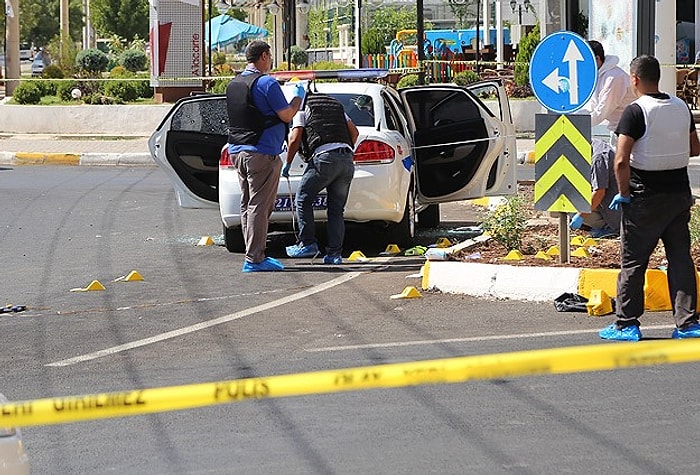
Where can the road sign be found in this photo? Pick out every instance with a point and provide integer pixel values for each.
(563, 72)
(563, 163)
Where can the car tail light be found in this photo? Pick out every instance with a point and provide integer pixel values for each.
(225, 159)
(374, 151)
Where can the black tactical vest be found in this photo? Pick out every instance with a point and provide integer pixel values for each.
(245, 121)
(325, 123)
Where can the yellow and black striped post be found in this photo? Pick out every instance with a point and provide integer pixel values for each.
(563, 169)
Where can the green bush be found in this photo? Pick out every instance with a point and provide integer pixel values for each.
(92, 60)
(408, 81)
(119, 72)
(328, 65)
(373, 42)
(27, 92)
(133, 60)
(219, 58)
(143, 88)
(218, 86)
(526, 47)
(464, 78)
(52, 71)
(125, 91)
(48, 88)
(64, 89)
(298, 56)
(506, 224)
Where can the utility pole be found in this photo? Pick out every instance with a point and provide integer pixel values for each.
(64, 26)
(12, 69)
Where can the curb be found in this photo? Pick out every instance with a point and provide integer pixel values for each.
(537, 284)
(88, 159)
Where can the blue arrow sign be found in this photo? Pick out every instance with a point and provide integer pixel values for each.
(563, 72)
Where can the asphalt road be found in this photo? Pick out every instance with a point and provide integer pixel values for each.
(62, 227)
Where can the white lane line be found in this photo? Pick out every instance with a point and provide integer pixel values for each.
(516, 336)
(201, 326)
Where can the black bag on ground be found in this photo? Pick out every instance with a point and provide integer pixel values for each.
(568, 302)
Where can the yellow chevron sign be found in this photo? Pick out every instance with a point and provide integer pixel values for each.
(563, 163)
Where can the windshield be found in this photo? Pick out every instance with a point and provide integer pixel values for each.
(359, 107)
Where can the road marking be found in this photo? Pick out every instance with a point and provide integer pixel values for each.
(211, 323)
(515, 336)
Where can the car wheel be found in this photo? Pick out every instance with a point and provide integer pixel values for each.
(403, 232)
(233, 238)
(429, 217)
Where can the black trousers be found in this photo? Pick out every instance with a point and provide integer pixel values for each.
(647, 218)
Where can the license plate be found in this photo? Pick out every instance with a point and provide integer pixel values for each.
(284, 203)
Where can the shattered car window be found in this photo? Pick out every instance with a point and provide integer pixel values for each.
(208, 116)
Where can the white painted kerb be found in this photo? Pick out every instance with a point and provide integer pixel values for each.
(502, 281)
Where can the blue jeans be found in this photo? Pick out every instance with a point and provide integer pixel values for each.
(332, 170)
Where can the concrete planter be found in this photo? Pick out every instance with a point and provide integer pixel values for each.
(116, 120)
(141, 120)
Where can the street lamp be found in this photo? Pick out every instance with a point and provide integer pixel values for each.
(303, 6)
(525, 5)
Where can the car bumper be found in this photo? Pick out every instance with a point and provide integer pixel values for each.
(376, 194)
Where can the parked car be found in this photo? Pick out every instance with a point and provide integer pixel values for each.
(418, 147)
(13, 458)
(40, 61)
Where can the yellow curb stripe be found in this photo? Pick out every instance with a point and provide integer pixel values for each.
(36, 158)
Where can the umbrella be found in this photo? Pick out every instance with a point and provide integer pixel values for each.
(227, 30)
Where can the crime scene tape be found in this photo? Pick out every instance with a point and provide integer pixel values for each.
(600, 357)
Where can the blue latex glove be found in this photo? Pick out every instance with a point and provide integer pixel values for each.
(618, 200)
(285, 170)
(299, 91)
(576, 221)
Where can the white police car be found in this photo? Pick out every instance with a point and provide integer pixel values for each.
(418, 147)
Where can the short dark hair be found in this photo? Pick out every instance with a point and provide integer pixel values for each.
(255, 49)
(597, 48)
(646, 68)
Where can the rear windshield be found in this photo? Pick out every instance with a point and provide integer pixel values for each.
(359, 107)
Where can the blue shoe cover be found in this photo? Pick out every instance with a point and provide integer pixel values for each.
(334, 260)
(266, 265)
(691, 331)
(628, 333)
(299, 250)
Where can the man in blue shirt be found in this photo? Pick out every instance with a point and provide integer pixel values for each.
(258, 115)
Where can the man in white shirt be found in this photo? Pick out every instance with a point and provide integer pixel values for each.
(612, 91)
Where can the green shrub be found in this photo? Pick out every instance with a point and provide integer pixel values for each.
(133, 60)
(526, 47)
(298, 56)
(119, 72)
(52, 71)
(143, 88)
(218, 86)
(506, 224)
(125, 91)
(694, 226)
(27, 92)
(48, 87)
(328, 65)
(465, 78)
(92, 60)
(373, 42)
(219, 58)
(64, 89)
(408, 81)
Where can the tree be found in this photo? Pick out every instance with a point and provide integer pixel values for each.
(39, 20)
(126, 18)
(388, 20)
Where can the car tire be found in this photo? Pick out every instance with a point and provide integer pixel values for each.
(233, 239)
(403, 232)
(429, 217)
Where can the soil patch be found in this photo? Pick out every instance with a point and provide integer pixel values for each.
(543, 232)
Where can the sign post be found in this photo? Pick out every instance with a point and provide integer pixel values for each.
(563, 75)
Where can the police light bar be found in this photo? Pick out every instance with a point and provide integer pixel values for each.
(340, 74)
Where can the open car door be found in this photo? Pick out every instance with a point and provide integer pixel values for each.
(187, 145)
(462, 148)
